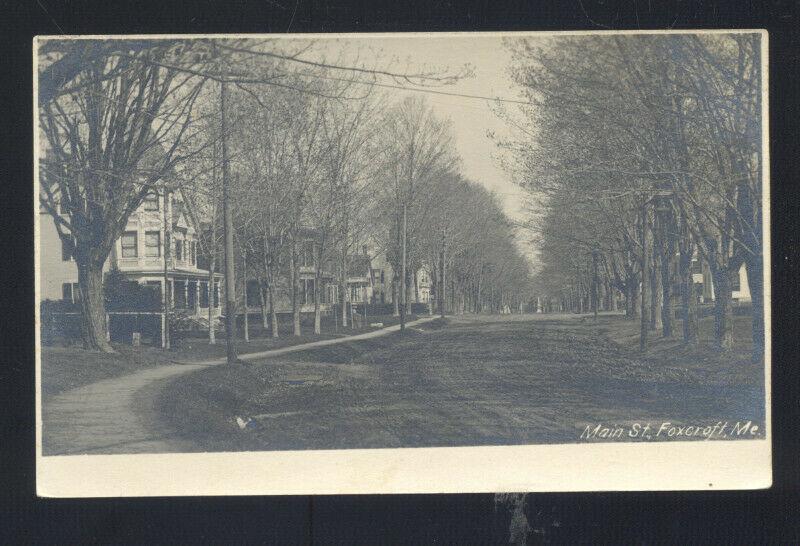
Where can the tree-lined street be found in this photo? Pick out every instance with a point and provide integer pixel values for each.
(294, 192)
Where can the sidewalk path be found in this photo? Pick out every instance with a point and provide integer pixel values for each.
(117, 416)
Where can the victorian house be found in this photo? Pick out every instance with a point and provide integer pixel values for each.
(139, 256)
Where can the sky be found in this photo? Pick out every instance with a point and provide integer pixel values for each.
(471, 118)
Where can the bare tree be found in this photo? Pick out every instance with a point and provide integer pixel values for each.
(111, 140)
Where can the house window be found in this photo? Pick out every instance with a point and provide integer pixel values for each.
(204, 294)
(180, 294)
(178, 250)
(194, 252)
(308, 291)
(66, 292)
(697, 266)
(356, 292)
(332, 291)
(191, 295)
(152, 244)
(66, 251)
(151, 201)
(307, 254)
(129, 245)
(71, 292)
(216, 293)
(383, 279)
(156, 287)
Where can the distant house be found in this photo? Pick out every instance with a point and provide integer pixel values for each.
(360, 281)
(704, 283)
(139, 256)
(423, 283)
(382, 278)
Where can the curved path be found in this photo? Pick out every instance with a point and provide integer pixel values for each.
(117, 416)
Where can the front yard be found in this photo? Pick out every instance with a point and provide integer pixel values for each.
(68, 367)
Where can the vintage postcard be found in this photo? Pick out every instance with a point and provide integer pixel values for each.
(402, 263)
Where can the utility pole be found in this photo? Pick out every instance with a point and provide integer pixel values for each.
(244, 295)
(594, 283)
(165, 342)
(230, 279)
(212, 250)
(442, 284)
(365, 303)
(403, 294)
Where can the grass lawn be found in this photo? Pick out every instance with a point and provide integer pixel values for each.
(65, 368)
(701, 357)
(69, 367)
(464, 381)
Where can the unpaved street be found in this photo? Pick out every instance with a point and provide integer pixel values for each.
(474, 381)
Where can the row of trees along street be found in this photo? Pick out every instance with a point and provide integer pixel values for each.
(272, 153)
(640, 154)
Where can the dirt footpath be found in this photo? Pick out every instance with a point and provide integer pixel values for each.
(119, 415)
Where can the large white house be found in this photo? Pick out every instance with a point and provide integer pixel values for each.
(139, 255)
(704, 283)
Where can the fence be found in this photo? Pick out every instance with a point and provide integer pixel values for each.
(65, 327)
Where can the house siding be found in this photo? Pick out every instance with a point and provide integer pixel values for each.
(55, 272)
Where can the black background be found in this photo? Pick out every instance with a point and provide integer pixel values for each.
(749, 517)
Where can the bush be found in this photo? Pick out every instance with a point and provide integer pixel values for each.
(125, 295)
(60, 320)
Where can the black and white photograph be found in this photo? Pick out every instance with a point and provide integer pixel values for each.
(434, 262)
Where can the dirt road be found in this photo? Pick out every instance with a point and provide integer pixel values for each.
(477, 381)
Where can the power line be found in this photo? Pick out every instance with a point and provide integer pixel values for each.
(417, 90)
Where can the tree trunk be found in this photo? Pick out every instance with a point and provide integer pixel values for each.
(666, 289)
(212, 336)
(645, 262)
(655, 293)
(688, 307)
(416, 288)
(227, 210)
(93, 311)
(595, 285)
(755, 280)
(395, 302)
(295, 278)
(246, 321)
(262, 301)
(272, 312)
(167, 252)
(631, 296)
(404, 272)
(317, 310)
(723, 311)
(442, 290)
(662, 250)
(343, 285)
(409, 292)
